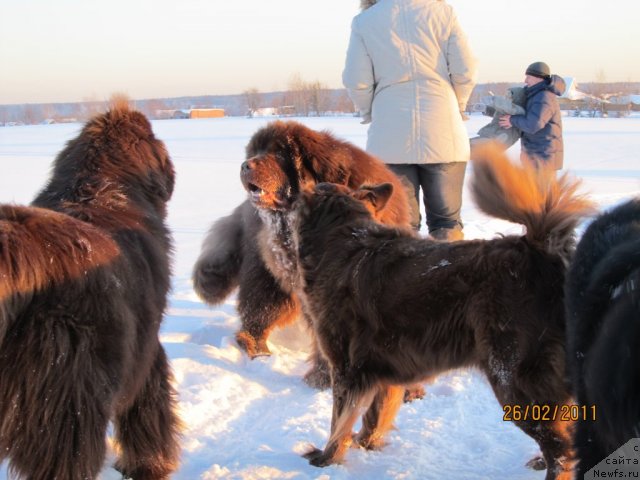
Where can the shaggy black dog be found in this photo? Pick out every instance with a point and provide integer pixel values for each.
(84, 274)
(603, 328)
(248, 247)
(390, 309)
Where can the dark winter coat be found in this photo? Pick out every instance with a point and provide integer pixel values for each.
(541, 125)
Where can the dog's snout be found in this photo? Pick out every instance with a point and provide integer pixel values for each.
(249, 164)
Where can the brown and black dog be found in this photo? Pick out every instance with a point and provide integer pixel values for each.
(245, 249)
(84, 274)
(389, 309)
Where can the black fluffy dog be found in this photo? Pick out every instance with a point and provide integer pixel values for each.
(84, 274)
(390, 309)
(603, 315)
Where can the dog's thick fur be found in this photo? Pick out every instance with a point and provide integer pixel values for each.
(390, 309)
(248, 247)
(603, 329)
(84, 274)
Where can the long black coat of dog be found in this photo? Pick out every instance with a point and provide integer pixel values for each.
(390, 309)
(603, 317)
(84, 274)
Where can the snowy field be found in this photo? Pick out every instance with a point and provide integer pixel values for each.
(253, 419)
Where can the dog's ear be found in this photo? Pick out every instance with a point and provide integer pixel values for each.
(376, 196)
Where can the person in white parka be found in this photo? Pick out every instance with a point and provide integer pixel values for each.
(409, 71)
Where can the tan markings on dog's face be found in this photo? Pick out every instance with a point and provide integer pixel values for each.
(266, 183)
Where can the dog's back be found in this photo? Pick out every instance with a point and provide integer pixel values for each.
(603, 316)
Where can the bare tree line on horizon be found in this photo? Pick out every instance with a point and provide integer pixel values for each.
(301, 98)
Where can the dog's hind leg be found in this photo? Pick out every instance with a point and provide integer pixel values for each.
(529, 397)
(378, 419)
(348, 401)
(148, 431)
(70, 446)
(554, 439)
(54, 406)
(262, 306)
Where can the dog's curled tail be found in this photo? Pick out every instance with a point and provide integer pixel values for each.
(549, 207)
(217, 271)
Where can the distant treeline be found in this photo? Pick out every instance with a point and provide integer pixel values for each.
(320, 102)
(307, 99)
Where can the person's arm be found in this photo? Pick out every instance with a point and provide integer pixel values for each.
(536, 116)
(357, 76)
(462, 64)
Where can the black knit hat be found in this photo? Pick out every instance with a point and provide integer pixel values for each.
(538, 69)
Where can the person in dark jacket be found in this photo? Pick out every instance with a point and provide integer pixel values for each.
(541, 124)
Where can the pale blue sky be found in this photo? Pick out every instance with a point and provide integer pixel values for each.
(70, 50)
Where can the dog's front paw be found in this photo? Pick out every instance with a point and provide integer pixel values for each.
(369, 442)
(318, 458)
(414, 392)
(254, 348)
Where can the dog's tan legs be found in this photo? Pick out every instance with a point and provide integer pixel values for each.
(378, 419)
(148, 431)
(348, 404)
(553, 436)
(555, 443)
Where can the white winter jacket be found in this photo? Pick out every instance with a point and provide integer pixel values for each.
(410, 72)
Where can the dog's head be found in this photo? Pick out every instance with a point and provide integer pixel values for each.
(373, 198)
(333, 213)
(329, 205)
(286, 158)
(116, 150)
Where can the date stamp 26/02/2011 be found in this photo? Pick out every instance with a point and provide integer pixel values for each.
(548, 413)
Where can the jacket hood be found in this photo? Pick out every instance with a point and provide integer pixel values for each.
(555, 84)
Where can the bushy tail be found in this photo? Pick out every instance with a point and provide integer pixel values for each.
(549, 207)
(217, 270)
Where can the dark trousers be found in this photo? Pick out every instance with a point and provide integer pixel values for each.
(441, 185)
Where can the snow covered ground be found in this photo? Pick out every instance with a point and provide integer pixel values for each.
(253, 419)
